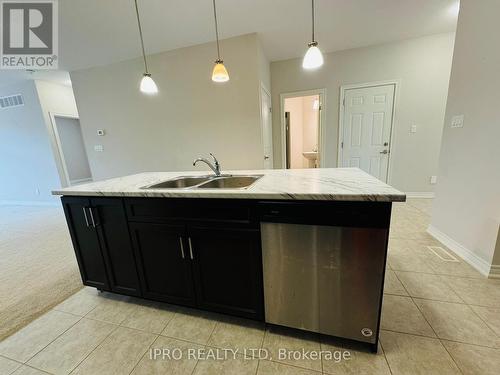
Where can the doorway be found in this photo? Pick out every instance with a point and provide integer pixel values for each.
(71, 149)
(365, 131)
(301, 129)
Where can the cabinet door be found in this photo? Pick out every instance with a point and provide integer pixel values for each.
(164, 262)
(108, 216)
(85, 242)
(228, 270)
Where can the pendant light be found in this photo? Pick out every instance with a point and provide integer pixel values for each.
(147, 86)
(219, 74)
(313, 58)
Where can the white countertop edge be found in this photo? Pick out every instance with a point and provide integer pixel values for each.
(327, 184)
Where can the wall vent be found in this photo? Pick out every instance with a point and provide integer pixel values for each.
(11, 101)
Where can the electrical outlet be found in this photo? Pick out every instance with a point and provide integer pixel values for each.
(413, 129)
(457, 121)
(433, 180)
(98, 148)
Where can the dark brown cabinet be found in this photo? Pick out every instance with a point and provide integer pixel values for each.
(228, 270)
(85, 242)
(164, 263)
(200, 253)
(99, 231)
(211, 267)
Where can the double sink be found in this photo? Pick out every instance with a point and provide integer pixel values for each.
(207, 182)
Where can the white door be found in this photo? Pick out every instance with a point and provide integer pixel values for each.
(267, 129)
(367, 126)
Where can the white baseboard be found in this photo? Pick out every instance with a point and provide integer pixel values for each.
(420, 194)
(495, 271)
(30, 203)
(478, 263)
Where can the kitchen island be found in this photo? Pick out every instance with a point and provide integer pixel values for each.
(304, 249)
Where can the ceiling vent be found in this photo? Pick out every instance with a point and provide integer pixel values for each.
(11, 101)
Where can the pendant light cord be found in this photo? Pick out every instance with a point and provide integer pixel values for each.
(140, 34)
(216, 32)
(312, 5)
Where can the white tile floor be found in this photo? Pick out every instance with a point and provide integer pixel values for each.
(438, 318)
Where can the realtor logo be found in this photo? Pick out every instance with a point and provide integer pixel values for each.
(29, 34)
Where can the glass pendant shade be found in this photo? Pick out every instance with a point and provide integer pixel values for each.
(220, 73)
(313, 58)
(148, 86)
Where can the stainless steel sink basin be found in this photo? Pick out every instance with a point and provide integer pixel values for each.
(233, 182)
(206, 182)
(180, 182)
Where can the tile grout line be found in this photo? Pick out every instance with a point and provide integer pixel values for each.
(476, 314)
(62, 333)
(98, 345)
(424, 298)
(261, 347)
(439, 338)
(385, 356)
(34, 368)
(143, 354)
(485, 322)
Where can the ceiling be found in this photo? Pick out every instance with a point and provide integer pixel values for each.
(99, 32)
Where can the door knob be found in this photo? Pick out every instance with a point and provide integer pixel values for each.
(266, 157)
(384, 152)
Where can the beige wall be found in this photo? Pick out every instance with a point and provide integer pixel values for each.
(422, 66)
(190, 117)
(467, 204)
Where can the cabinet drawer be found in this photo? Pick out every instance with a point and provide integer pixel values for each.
(180, 209)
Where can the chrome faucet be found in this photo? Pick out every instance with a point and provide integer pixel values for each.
(215, 166)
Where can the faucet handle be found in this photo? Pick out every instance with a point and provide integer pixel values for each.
(215, 159)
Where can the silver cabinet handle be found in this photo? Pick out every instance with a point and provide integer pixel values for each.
(190, 248)
(384, 152)
(85, 216)
(92, 217)
(182, 247)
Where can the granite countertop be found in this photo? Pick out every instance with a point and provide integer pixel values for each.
(332, 184)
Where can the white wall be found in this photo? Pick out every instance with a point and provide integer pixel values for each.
(467, 204)
(422, 65)
(55, 98)
(190, 117)
(27, 168)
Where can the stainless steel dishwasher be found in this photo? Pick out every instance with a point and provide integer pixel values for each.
(323, 278)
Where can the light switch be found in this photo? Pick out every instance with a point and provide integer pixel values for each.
(433, 180)
(413, 129)
(100, 132)
(98, 148)
(457, 121)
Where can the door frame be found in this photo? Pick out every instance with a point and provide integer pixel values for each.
(321, 126)
(60, 152)
(343, 89)
(262, 135)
